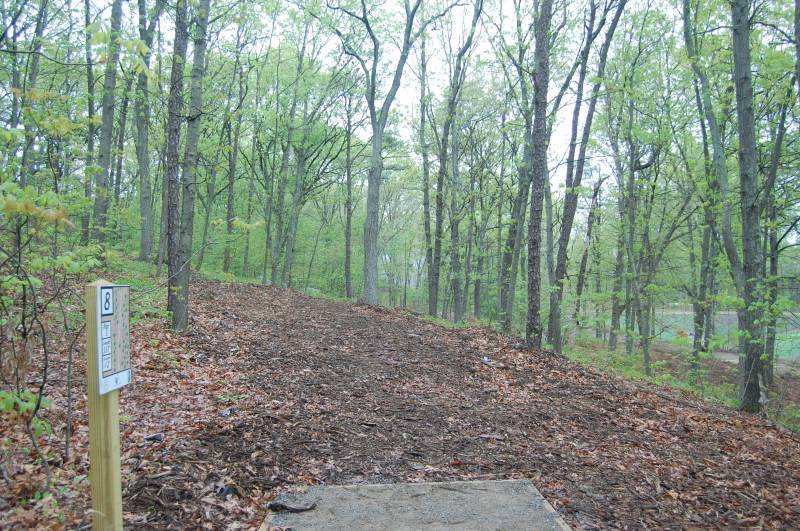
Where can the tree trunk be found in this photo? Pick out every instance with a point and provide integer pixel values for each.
(233, 157)
(573, 181)
(171, 211)
(644, 312)
(549, 226)
(480, 243)
(750, 315)
(248, 218)
(348, 203)
(379, 115)
(120, 149)
(697, 291)
(268, 210)
(313, 254)
(283, 178)
(211, 193)
(516, 255)
(89, 161)
(455, 252)
(797, 45)
(371, 220)
(180, 315)
(585, 255)
(599, 319)
(32, 73)
(107, 125)
(539, 177)
(617, 293)
(771, 241)
(471, 228)
(433, 290)
(516, 227)
(142, 110)
(294, 214)
(772, 296)
(161, 255)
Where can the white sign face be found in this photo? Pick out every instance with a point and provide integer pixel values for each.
(107, 301)
(113, 337)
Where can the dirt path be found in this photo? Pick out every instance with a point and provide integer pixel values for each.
(329, 392)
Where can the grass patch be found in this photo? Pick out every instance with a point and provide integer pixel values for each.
(591, 352)
(788, 417)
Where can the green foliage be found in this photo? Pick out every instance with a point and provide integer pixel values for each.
(23, 405)
(590, 352)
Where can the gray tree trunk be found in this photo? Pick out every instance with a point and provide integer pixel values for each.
(617, 300)
(769, 208)
(370, 293)
(581, 282)
(31, 75)
(142, 110)
(233, 157)
(797, 45)
(92, 130)
(459, 312)
(180, 313)
(348, 203)
(573, 181)
(283, 178)
(379, 115)
(171, 203)
(297, 202)
(116, 172)
(107, 125)
(539, 177)
(432, 280)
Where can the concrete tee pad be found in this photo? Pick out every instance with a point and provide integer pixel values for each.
(508, 505)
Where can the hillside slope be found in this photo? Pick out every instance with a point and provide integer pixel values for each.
(273, 390)
(339, 393)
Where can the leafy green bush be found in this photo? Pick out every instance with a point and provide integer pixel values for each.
(23, 405)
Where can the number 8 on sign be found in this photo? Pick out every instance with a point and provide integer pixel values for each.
(106, 301)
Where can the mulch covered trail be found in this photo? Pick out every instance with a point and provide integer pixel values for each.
(314, 391)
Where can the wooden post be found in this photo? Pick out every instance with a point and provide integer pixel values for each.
(104, 467)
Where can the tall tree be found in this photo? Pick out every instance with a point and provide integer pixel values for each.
(234, 133)
(575, 169)
(447, 137)
(752, 281)
(173, 143)
(518, 82)
(370, 63)
(288, 145)
(432, 279)
(91, 127)
(745, 270)
(180, 312)
(107, 125)
(351, 123)
(142, 110)
(541, 82)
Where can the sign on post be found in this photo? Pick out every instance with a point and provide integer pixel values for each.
(114, 328)
(108, 369)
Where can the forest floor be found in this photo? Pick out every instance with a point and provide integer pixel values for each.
(273, 390)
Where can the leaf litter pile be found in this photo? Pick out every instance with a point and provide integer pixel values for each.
(273, 390)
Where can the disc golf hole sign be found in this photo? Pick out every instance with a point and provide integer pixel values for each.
(113, 337)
